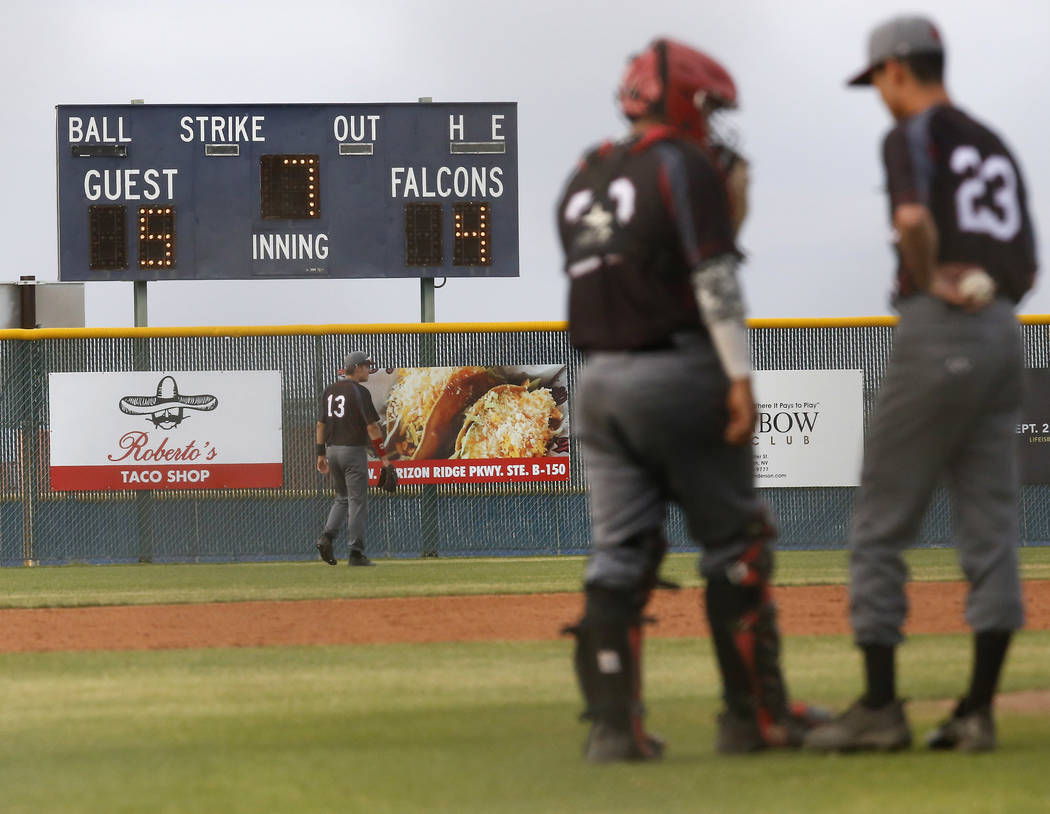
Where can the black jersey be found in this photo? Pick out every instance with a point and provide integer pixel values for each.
(346, 410)
(963, 173)
(636, 219)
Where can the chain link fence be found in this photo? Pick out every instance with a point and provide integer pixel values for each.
(45, 526)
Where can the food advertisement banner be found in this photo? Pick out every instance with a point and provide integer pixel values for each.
(474, 424)
(165, 430)
(810, 428)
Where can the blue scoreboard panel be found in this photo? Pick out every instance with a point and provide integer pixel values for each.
(195, 192)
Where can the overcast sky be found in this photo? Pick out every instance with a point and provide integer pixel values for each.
(817, 238)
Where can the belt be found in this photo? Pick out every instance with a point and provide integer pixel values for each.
(674, 341)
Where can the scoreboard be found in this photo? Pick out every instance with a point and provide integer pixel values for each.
(193, 192)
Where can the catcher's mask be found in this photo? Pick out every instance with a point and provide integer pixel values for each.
(678, 84)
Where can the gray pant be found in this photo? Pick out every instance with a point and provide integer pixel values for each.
(947, 410)
(651, 428)
(348, 467)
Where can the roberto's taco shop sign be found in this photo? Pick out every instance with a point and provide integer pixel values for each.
(165, 430)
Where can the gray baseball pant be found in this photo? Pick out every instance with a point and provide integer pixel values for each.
(651, 429)
(947, 410)
(348, 467)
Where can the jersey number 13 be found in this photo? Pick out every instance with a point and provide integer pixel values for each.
(336, 406)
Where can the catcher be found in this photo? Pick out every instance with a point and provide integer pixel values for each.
(664, 407)
(346, 422)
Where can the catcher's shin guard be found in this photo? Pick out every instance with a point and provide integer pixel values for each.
(609, 669)
(743, 621)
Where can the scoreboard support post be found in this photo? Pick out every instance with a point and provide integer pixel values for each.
(428, 510)
(141, 304)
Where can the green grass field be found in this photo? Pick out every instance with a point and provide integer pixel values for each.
(78, 585)
(464, 728)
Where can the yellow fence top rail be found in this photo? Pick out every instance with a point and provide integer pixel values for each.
(417, 327)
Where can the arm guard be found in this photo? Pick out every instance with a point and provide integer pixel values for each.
(721, 304)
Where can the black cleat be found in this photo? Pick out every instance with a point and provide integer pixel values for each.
(358, 558)
(606, 744)
(884, 729)
(324, 548)
(969, 731)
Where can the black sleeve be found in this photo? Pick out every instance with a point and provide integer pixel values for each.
(905, 154)
(696, 199)
(368, 410)
(322, 407)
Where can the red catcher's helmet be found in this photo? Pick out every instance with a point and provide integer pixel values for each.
(677, 83)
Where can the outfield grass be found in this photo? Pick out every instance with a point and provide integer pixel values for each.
(468, 729)
(81, 585)
(462, 728)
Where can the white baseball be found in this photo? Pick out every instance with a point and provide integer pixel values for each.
(977, 287)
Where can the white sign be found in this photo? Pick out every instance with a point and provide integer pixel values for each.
(810, 429)
(166, 430)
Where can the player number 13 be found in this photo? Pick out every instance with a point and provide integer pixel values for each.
(337, 406)
(975, 215)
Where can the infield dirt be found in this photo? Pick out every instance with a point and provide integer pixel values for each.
(936, 607)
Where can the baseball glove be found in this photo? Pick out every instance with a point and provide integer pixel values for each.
(388, 479)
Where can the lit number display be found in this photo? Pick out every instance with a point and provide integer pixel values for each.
(291, 186)
(473, 246)
(109, 237)
(423, 244)
(156, 237)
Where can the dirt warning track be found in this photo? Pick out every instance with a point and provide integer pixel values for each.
(936, 607)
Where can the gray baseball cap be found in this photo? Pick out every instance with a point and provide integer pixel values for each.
(355, 358)
(896, 38)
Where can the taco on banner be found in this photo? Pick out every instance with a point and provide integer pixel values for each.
(426, 405)
(509, 421)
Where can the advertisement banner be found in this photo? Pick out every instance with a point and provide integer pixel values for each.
(504, 424)
(1033, 433)
(165, 430)
(810, 429)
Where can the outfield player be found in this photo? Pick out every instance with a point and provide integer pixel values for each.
(346, 423)
(664, 408)
(949, 402)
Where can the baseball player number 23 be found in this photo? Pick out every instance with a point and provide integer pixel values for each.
(1001, 224)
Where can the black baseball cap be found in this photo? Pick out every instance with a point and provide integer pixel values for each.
(898, 38)
(355, 358)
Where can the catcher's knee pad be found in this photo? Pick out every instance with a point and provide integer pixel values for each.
(608, 658)
(631, 565)
(743, 621)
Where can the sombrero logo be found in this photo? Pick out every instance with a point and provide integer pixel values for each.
(167, 409)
